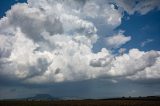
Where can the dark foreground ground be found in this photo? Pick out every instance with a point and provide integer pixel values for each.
(82, 103)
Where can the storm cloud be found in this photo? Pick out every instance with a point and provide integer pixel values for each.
(50, 41)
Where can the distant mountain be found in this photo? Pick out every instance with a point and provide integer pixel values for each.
(42, 97)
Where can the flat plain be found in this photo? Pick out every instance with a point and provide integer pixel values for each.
(82, 103)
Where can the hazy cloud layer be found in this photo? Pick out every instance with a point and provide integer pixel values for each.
(146, 42)
(51, 41)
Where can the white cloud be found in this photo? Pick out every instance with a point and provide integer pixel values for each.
(150, 72)
(103, 10)
(39, 45)
(113, 17)
(133, 62)
(102, 59)
(140, 6)
(116, 41)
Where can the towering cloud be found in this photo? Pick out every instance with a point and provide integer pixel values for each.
(49, 41)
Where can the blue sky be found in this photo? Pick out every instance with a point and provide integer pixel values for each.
(80, 49)
(141, 28)
(6, 5)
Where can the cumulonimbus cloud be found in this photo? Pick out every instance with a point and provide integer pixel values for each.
(52, 41)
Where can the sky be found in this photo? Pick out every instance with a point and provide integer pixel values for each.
(79, 48)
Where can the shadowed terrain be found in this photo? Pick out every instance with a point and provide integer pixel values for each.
(139, 101)
(82, 103)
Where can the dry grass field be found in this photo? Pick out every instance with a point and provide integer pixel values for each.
(82, 103)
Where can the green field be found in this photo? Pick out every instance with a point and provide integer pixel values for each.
(82, 103)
